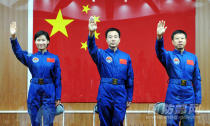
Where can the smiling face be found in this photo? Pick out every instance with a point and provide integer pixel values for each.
(41, 42)
(113, 39)
(179, 41)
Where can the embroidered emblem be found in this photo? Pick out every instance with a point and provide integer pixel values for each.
(35, 59)
(108, 59)
(176, 61)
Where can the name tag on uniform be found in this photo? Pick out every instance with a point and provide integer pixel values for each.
(52, 60)
(123, 61)
(190, 62)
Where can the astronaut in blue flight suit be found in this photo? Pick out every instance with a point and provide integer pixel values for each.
(45, 88)
(116, 86)
(184, 88)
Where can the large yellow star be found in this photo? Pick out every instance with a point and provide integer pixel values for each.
(85, 9)
(96, 19)
(84, 45)
(96, 35)
(59, 24)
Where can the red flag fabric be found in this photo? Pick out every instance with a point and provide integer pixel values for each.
(67, 23)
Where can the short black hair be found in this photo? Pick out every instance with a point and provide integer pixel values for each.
(112, 29)
(41, 32)
(178, 32)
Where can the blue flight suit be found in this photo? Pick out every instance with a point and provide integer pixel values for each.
(45, 85)
(116, 85)
(184, 88)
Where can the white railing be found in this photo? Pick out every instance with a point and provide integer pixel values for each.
(93, 112)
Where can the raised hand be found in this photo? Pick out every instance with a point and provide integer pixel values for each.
(92, 25)
(161, 28)
(13, 30)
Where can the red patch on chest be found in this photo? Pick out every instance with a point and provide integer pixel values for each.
(123, 61)
(190, 62)
(52, 60)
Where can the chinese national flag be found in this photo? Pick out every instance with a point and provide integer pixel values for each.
(67, 23)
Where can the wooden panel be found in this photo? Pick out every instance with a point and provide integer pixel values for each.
(86, 120)
(140, 120)
(78, 120)
(12, 73)
(14, 120)
(58, 120)
(202, 47)
(202, 120)
(160, 120)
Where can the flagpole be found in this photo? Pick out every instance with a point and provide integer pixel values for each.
(30, 37)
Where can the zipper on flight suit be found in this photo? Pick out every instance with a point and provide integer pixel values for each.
(183, 73)
(114, 65)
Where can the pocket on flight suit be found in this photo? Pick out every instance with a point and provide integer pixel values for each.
(173, 93)
(49, 93)
(33, 94)
(188, 93)
(121, 93)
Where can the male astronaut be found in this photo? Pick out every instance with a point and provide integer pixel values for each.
(116, 86)
(184, 88)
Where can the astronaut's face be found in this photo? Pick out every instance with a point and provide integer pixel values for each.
(179, 41)
(41, 42)
(113, 39)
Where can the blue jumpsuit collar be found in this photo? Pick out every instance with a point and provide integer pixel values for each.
(112, 51)
(45, 53)
(178, 52)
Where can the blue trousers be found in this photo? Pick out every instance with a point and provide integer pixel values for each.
(180, 113)
(41, 103)
(111, 104)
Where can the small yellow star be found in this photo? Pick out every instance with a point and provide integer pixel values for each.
(85, 9)
(96, 35)
(84, 45)
(59, 24)
(96, 19)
